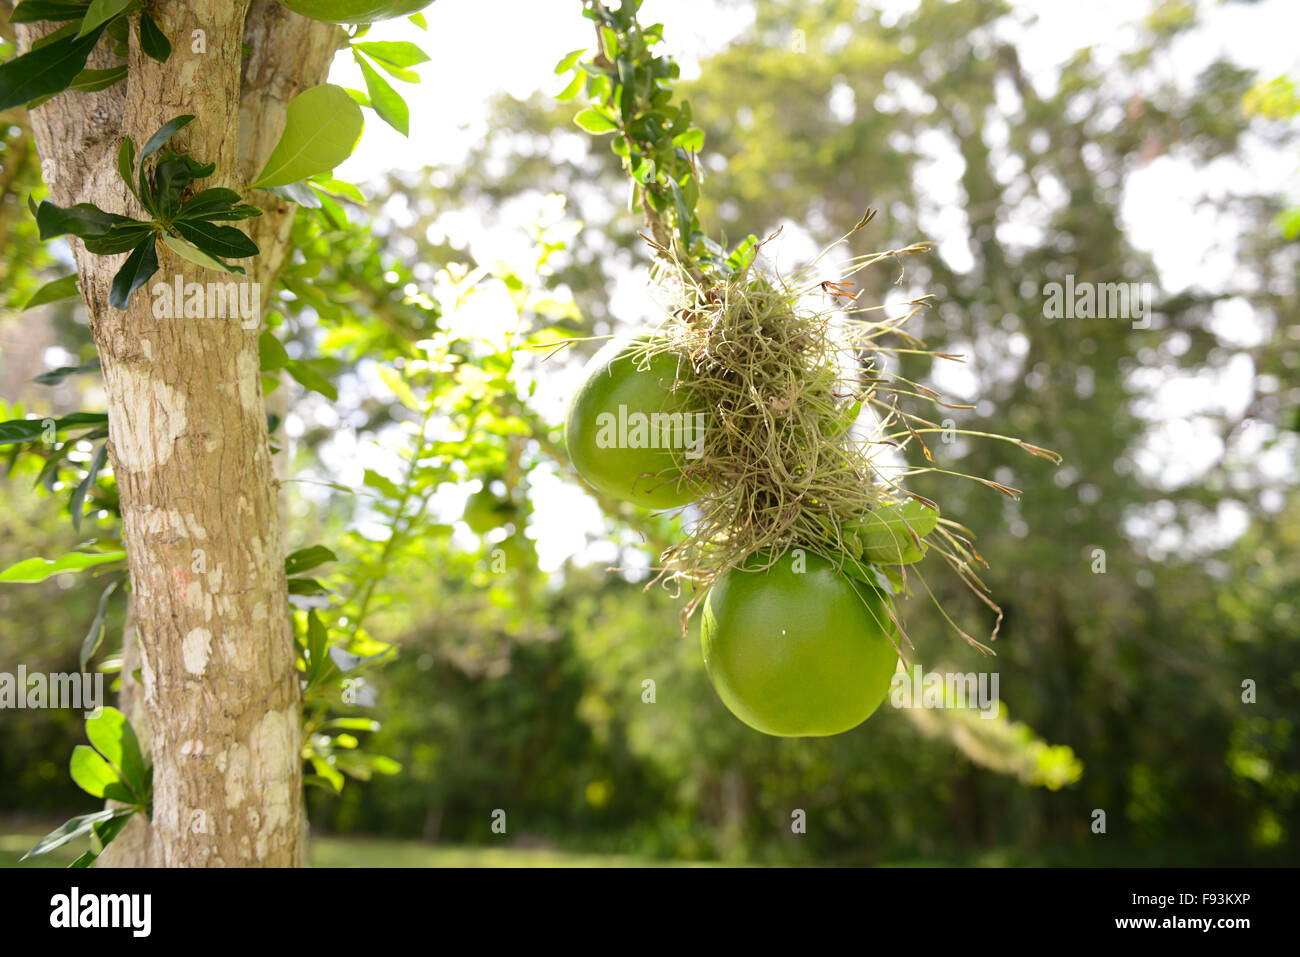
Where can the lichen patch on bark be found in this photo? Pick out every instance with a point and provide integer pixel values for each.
(144, 430)
(196, 649)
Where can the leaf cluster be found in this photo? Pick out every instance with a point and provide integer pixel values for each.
(396, 58)
(114, 769)
(189, 227)
(57, 61)
(630, 89)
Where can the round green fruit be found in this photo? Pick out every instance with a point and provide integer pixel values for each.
(798, 653)
(626, 431)
(355, 11)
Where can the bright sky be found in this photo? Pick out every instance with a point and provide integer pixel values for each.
(483, 48)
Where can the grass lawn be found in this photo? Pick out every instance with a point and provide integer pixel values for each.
(17, 837)
(353, 852)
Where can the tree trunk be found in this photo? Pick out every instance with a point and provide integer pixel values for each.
(214, 653)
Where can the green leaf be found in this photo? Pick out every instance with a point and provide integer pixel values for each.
(683, 209)
(320, 781)
(574, 87)
(317, 641)
(172, 176)
(892, 578)
(394, 53)
(383, 764)
(419, 21)
(398, 72)
(362, 766)
(120, 238)
(743, 255)
(75, 828)
(145, 192)
(881, 578)
(91, 772)
(188, 250)
(270, 352)
(62, 33)
(55, 376)
(206, 201)
(135, 272)
(230, 214)
(310, 379)
(126, 164)
(306, 586)
(100, 12)
(609, 42)
(891, 534)
(323, 126)
(119, 31)
(393, 379)
(308, 558)
(90, 644)
(326, 772)
(102, 834)
(595, 122)
(27, 430)
(165, 133)
(1288, 221)
(299, 193)
(115, 739)
(844, 417)
(386, 101)
(382, 483)
(84, 220)
(691, 140)
(568, 61)
(331, 212)
(153, 41)
(338, 187)
(45, 70)
(89, 81)
(217, 205)
(351, 724)
(55, 11)
(39, 569)
(77, 503)
(226, 242)
(65, 287)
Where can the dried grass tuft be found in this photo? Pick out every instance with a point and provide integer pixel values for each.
(783, 370)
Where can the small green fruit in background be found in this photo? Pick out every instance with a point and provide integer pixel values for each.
(619, 388)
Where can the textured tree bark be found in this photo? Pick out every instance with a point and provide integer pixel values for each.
(218, 687)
